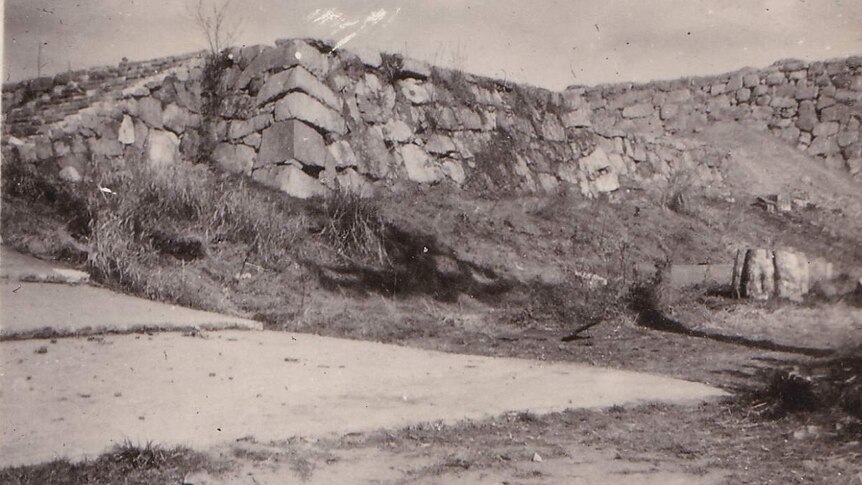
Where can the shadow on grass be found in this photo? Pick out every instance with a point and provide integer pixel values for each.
(419, 266)
(649, 316)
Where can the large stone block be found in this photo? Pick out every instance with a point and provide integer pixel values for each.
(470, 120)
(374, 101)
(243, 128)
(750, 80)
(288, 54)
(176, 119)
(419, 166)
(234, 158)
(606, 182)
(141, 134)
(440, 145)
(552, 128)
(290, 180)
(297, 79)
(351, 181)
(150, 112)
(454, 170)
(791, 275)
(163, 148)
(396, 130)
(578, 118)
(826, 129)
(303, 107)
(367, 57)
(758, 276)
(415, 91)
(595, 162)
(292, 140)
(126, 133)
(641, 110)
(70, 174)
(343, 155)
(374, 159)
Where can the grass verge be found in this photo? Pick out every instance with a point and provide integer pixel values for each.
(126, 463)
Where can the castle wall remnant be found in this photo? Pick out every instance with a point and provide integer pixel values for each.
(300, 118)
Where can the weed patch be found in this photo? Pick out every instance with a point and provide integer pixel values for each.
(179, 212)
(127, 463)
(456, 83)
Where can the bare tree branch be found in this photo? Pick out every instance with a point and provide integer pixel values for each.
(216, 22)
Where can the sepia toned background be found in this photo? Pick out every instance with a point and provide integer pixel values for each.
(551, 43)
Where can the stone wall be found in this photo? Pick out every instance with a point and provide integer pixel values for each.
(816, 107)
(301, 119)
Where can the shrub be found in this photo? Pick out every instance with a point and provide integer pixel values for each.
(355, 228)
(675, 196)
(456, 83)
(213, 95)
(493, 171)
(391, 66)
(570, 305)
(29, 183)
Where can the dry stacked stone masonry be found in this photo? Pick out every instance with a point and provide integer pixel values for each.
(303, 119)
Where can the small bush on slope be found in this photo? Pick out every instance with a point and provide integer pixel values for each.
(355, 228)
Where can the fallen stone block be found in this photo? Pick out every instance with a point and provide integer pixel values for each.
(761, 274)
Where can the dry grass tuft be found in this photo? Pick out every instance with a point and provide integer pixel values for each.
(355, 228)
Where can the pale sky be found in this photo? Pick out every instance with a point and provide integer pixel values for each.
(550, 43)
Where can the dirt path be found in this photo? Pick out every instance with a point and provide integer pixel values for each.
(79, 396)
